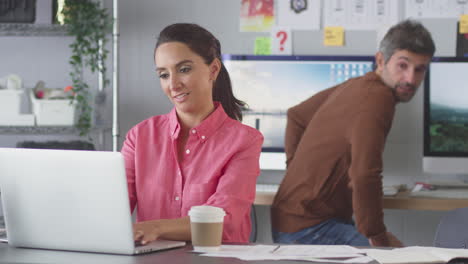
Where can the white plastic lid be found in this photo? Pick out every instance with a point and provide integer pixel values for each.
(206, 214)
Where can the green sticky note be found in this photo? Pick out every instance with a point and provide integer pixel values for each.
(262, 46)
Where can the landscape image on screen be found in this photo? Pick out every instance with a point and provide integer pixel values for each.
(271, 87)
(448, 125)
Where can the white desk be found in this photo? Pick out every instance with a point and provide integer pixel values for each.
(402, 200)
(184, 255)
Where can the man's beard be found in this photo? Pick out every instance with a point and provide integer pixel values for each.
(407, 88)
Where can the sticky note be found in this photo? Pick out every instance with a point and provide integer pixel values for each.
(463, 24)
(333, 36)
(262, 46)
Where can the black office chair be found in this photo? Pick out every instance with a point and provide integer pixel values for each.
(452, 231)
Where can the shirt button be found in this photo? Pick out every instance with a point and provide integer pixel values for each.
(187, 151)
(177, 198)
(194, 131)
(202, 137)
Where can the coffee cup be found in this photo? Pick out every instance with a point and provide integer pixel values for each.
(206, 225)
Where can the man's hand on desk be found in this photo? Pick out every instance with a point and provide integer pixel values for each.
(386, 239)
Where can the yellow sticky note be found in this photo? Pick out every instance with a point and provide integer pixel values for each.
(333, 36)
(262, 46)
(463, 24)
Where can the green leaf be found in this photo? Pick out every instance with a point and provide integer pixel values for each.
(88, 23)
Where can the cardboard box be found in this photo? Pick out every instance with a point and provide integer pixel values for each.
(10, 101)
(55, 112)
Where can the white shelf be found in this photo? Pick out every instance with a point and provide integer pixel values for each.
(25, 29)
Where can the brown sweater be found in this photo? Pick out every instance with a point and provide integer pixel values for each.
(334, 147)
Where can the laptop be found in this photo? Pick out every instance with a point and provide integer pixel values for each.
(69, 200)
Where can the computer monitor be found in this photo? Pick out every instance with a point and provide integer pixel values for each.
(446, 117)
(272, 84)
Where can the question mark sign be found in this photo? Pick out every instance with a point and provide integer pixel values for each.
(282, 35)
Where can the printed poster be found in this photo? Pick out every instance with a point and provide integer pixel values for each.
(299, 14)
(257, 15)
(435, 8)
(360, 14)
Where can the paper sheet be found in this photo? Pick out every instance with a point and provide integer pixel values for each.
(463, 24)
(416, 255)
(299, 15)
(435, 8)
(256, 15)
(336, 254)
(333, 36)
(360, 14)
(281, 41)
(262, 46)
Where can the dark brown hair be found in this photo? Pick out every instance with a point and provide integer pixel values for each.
(407, 35)
(203, 43)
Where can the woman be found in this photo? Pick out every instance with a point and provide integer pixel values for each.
(199, 153)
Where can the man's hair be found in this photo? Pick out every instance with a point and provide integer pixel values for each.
(407, 35)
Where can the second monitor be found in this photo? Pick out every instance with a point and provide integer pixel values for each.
(272, 84)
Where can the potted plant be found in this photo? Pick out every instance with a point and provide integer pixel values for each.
(90, 24)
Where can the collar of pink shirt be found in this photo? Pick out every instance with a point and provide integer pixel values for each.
(205, 129)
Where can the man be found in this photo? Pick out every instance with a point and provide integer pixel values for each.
(334, 145)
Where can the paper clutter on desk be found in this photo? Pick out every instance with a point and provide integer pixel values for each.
(315, 253)
(417, 255)
(391, 190)
(420, 186)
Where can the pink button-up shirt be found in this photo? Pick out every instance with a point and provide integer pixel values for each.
(220, 168)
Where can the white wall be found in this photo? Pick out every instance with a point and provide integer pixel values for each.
(141, 96)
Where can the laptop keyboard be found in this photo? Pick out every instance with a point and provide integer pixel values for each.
(138, 243)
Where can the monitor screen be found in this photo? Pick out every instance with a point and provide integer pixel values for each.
(446, 116)
(272, 84)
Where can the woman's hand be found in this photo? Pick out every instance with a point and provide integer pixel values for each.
(146, 232)
(173, 229)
